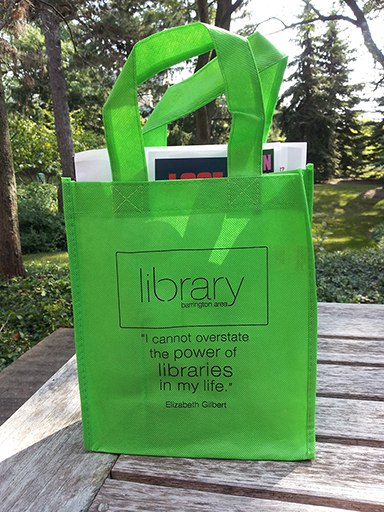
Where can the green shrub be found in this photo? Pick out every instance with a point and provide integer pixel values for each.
(33, 307)
(34, 143)
(351, 276)
(378, 235)
(41, 225)
(34, 146)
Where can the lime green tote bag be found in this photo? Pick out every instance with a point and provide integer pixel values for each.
(194, 300)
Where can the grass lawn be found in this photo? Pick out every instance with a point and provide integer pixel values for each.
(352, 209)
(45, 258)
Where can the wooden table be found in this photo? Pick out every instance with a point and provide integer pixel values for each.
(43, 466)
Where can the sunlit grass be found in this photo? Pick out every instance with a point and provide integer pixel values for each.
(348, 214)
(45, 258)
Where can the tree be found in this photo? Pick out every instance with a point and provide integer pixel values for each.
(224, 11)
(27, 82)
(304, 117)
(322, 103)
(11, 262)
(342, 100)
(360, 21)
(50, 16)
(107, 31)
(104, 35)
(377, 139)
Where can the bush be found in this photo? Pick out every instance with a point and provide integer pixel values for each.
(33, 307)
(378, 235)
(34, 143)
(41, 225)
(34, 146)
(351, 276)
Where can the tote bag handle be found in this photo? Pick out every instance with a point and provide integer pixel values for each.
(207, 84)
(159, 52)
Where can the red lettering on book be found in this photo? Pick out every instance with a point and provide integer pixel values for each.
(188, 176)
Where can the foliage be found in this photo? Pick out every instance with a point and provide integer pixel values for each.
(34, 146)
(84, 139)
(320, 106)
(378, 235)
(41, 225)
(28, 84)
(181, 132)
(320, 232)
(351, 276)
(104, 33)
(342, 101)
(34, 143)
(33, 307)
(377, 139)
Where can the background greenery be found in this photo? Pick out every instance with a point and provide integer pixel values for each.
(34, 306)
(42, 227)
(350, 209)
(321, 105)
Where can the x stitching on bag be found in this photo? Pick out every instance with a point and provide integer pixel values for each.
(128, 199)
(242, 191)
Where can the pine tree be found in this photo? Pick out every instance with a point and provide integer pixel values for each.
(322, 104)
(303, 118)
(342, 100)
(377, 139)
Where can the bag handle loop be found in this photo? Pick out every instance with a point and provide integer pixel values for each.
(158, 52)
(207, 84)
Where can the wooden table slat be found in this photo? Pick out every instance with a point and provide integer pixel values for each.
(54, 406)
(368, 352)
(20, 380)
(340, 476)
(351, 320)
(356, 382)
(121, 496)
(43, 465)
(54, 475)
(365, 421)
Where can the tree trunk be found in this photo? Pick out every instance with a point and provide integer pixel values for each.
(51, 27)
(223, 14)
(204, 115)
(11, 262)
